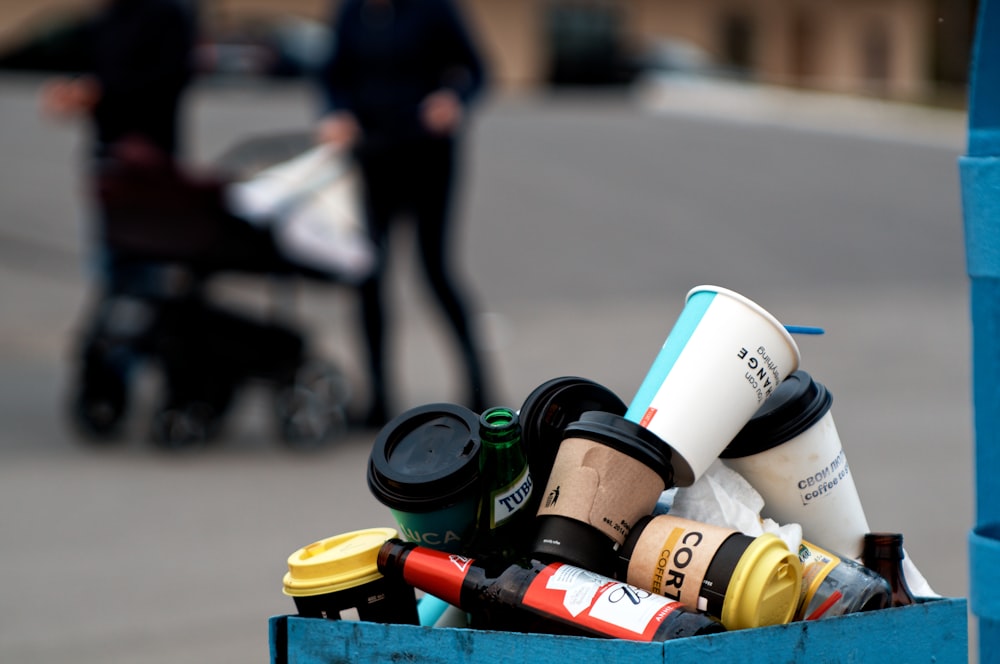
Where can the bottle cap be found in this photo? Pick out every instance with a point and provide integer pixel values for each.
(550, 408)
(336, 563)
(765, 585)
(797, 403)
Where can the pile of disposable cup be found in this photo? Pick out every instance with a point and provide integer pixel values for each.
(725, 384)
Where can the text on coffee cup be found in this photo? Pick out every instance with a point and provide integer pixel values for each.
(668, 576)
(431, 539)
(823, 481)
(762, 374)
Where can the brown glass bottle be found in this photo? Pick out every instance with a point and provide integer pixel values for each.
(883, 554)
(554, 598)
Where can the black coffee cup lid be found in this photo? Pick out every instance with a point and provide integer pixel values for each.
(797, 404)
(628, 438)
(426, 458)
(550, 408)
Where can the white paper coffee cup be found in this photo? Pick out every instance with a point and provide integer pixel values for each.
(791, 453)
(723, 358)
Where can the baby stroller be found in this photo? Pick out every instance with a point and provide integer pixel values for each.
(166, 233)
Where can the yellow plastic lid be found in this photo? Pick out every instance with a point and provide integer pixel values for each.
(765, 586)
(336, 563)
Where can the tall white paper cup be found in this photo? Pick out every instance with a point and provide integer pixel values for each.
(791, 454)
(724, 356)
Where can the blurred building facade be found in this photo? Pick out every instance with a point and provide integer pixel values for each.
(895, 48)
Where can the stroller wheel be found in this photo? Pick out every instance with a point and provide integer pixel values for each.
(312, 410)
(98, 417)
(100, 403)
(185, 427)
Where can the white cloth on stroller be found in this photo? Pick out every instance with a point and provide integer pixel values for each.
(311, 203)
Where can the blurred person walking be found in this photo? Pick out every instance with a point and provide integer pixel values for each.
(134, 67)
(397, 89)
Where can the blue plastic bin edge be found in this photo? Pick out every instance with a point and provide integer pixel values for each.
(934, 631)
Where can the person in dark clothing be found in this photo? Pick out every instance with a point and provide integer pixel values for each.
(136, 63)
(134, 71)
(135, 66)
(397, 87)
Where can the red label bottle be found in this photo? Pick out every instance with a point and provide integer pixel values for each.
(554, 598)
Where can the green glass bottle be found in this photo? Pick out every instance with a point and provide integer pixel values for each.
(503, 524)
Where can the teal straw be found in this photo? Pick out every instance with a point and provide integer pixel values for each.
(804, 329)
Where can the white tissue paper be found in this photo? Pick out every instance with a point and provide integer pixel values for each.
(723, 497)
(915, 580)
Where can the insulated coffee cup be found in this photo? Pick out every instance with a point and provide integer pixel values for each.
(740, 580)
(607, 474)
(424, 467)
(341, 572)
(791, 454)
(723, 358)
(545, 414)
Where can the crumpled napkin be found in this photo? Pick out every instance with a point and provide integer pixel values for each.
(722, 497)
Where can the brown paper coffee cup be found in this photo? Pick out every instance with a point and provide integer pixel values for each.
(600, 486)
(608, 473)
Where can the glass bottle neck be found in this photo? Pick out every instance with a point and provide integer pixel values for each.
(883, 554)
(883, 546)
(499, 428)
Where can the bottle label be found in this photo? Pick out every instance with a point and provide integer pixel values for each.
(597, 603)
(817, 563)
(672, 557)
(508, 501)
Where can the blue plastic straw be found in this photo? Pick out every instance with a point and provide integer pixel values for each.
(430, 609)
(804, 329)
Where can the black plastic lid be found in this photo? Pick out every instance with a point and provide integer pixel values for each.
(797, 404)
(550, 408)
(426, 458)
(628, 438)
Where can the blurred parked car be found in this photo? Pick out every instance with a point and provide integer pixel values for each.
(269, 47)
(670, 59)
(280, 47)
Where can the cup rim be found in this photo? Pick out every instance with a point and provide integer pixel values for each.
(566, 392)
(743, 299)
(788, 413)
(628, 438)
